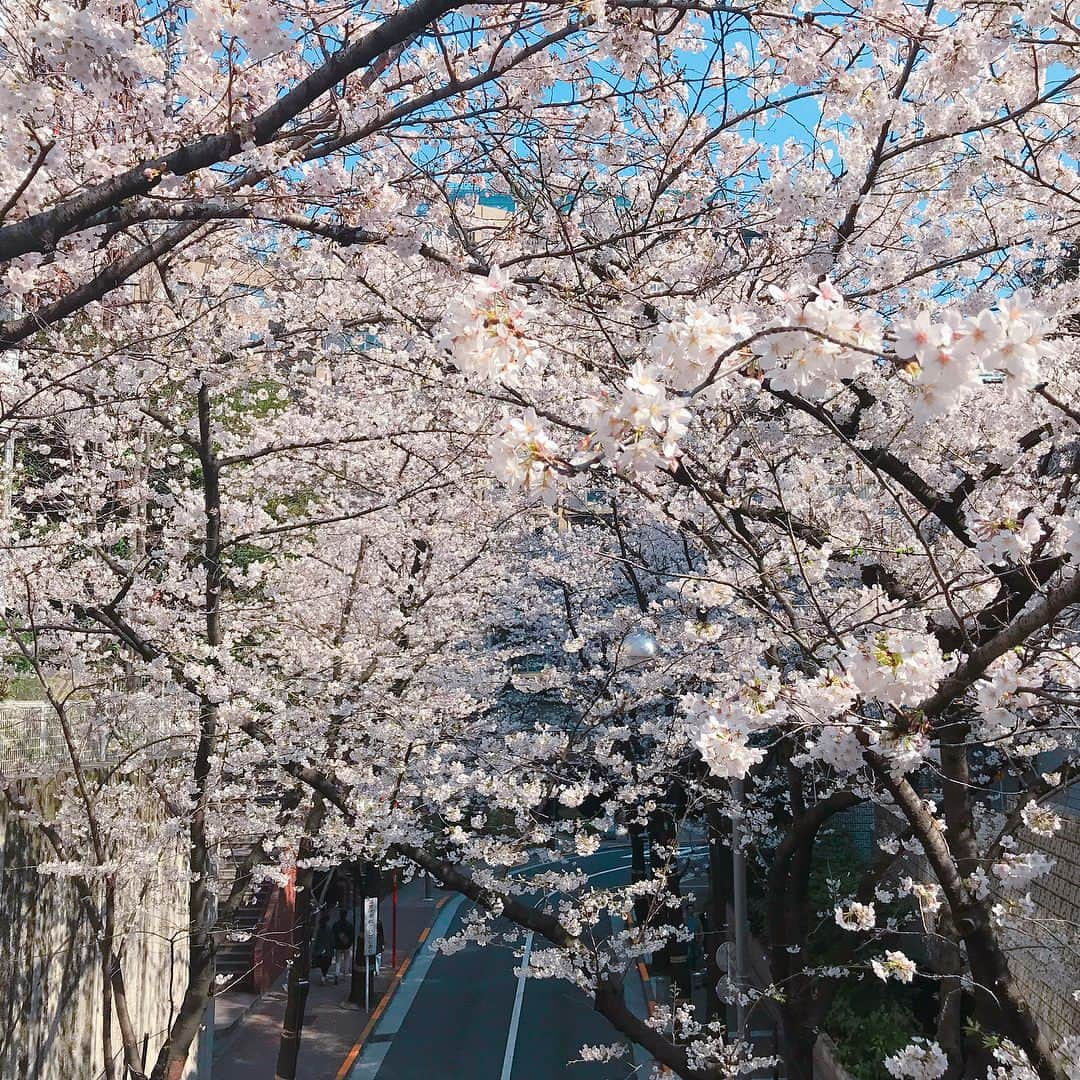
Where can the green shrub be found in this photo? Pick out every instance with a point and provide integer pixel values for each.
(867, 1026)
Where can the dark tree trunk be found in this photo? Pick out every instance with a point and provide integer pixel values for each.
(716, 931)
(787, 921)
(997, 995)
(948, 964)
(799, 1041)
(202, 945)
(292, 1028)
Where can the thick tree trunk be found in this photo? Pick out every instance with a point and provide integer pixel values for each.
(202, 946)
(787, 921)
(798, 1044)
(997, 994)
(949, 1032)
(109, 1064)
(984, 952)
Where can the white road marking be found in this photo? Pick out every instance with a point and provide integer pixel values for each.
(610, 870)
(371, 1057)
(519, 996)
(515, 1016)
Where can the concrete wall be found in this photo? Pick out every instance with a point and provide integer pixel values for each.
(826, 1064)
(50, 974)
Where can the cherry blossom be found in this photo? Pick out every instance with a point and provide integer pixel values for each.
(487, 331)
(369, 378)
(855, 916)
(895, 966)
(921, 1059)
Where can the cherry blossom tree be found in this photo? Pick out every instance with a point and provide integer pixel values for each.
(352, 351)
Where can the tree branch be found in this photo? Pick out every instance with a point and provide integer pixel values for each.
(42, 231)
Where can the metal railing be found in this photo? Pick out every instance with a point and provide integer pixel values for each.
(32, 741)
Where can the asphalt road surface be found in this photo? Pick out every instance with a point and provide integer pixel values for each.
(468, 1017)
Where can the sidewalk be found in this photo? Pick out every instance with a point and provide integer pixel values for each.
(248, 1027)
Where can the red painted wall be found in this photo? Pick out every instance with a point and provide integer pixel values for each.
(273, 939)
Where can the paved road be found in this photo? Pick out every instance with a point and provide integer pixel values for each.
(471, 1018)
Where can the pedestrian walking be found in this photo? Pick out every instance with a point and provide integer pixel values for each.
(322, 949)
(343, 941)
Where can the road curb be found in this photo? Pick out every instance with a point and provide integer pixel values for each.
(349, 1064)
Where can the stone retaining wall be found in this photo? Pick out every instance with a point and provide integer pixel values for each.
(51, 1014)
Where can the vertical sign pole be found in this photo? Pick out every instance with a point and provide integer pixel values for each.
(371, 943)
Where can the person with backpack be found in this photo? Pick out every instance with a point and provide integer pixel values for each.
(322, 948)
(380, 944)
(343, 942)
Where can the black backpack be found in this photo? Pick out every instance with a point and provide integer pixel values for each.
(342, 934)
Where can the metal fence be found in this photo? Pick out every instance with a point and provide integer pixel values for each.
(859, 824)
(32, 741)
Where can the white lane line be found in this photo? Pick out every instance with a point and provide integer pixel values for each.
(519, 996)
(515, 1016)
(371, 1057)
(610, 870)
(569, 859)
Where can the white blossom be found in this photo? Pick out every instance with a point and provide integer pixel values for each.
(855, 916)
(921, 1059)
(895, 966)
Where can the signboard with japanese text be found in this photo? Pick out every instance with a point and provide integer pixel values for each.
(371, 925)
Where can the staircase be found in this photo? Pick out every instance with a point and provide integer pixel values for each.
(253, 941)
(236, 960)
